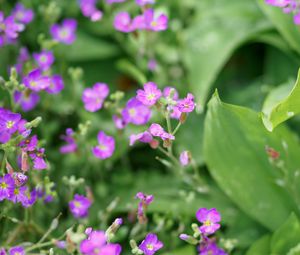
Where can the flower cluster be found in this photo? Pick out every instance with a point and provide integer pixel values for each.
(89, 9)
(12, 25)
(288, 6)
(210, 219)
(145, 201)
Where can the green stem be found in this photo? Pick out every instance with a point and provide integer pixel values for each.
(177, 128)
(3, 162)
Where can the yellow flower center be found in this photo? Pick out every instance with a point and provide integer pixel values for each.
(3, 185)
(16, 192)
(132, 112)
(207, 223)
(77, 204)
(10, 124)
(102, 147)
(33, 84)
(150, 247)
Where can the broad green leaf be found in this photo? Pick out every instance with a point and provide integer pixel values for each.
(286, 237)
(186, 250)
(86, 48)
(284, 23)
(234, 150)
(221, 27)
(261, 246)
(281, 105)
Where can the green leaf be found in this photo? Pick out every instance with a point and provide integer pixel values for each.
(234, 150)
(187, 250)
(284, 23)
(286, 237)
(86, 48)
(281, 105)
(130, 69)
(261, 246)
(213, 37)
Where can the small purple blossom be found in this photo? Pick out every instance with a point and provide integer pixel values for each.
(144, 137)
(150, 245)
(26, 99)
(22, 15)
(44, 59)
(210, 219)
(29, 144)
(157, 130)
(96, 243)
(119, 122)
(149, 95)
(56, 84)
(187, 104)
(66, 32)
(37, 156)
(106, 146)
(79, 206)
(122, 22)
(155, 22)
(94, 97)
(89, 9)
(185, 158)
(19, 194)
(36, 81)
(278, 3)
(7, 186)
(71, 145)
(145, 201)
(9, 28)
(2, 251)
(20, 178)
(31, 198)
(144, 2)
(17, 250)
(22, 58)
(136, 113)
(209, 247)
(170, 93)
(152, 65)
(9, 122)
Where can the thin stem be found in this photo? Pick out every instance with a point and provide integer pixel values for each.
(169, 155)
(3, 162)
(177, 128)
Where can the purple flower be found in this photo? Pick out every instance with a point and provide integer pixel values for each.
(187, 104)
(106, 146)
(154, 23)
(185, 158)
(37, 156)
(94, 97)
(210, 219)
(22, 15)
(119, 122)
(2, 251)
(18, 194)
(56, 84)
(136, 113)
(122, 22)
(31, 198)
(36, 81)
(71, 145)
(7, 186)
(170, 93)
(26, 99)
(64, 33)
(19, 178)
(17, 250)
(29, 144)
(149, 95)
(144, 137)
(89, 9)
(44, 59)
(157, 130)
(22, 58)
(145, 200)
(152, 65)
(279, 3)
(210, 248)
(144, 2)
(96, 244)
(8, 124)
(9, 27)
(79, 206)
(150, 245)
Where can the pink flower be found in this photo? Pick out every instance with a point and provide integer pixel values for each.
(210, 219)
(144, 137)
(157, 130)
(136, 113)
(122, 22)
(150, 245)
(187, 104)
(185, 158)
(94, 97)
(149, 95)
(79, 206)
(106, 146)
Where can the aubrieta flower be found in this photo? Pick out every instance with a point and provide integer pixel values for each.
(209, 247)
(96, 244)
(94, 97)
(37, 156)
(185, 158)
(106, 146)
(71, 145)
(36, 81)
(155, 22)
(26, 99)
(89, 9)
(136, 113)
(210, 219)
(18, 195)
(22, 15)
(157, 130)
(2, 251)
(144, 137)
(119, 122)
(56, 84)
(149, 95)
(17, 250)
(64, 33)
(29, 144)
(44, 59)
(9, 28)
(31, 198)
(122, 22)
(145, 201)
(187, 104)
(144, 2)
(79, 206)
(19, 178)
(279, 3)
(170, 93)
(7, 186)
(150, 245)
(9, 122)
